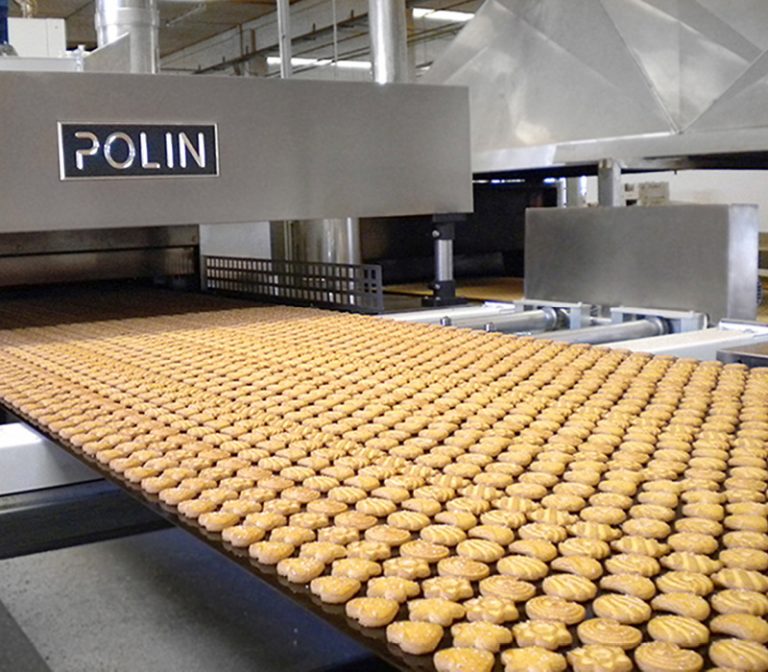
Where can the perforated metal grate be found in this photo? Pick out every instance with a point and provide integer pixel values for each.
(352, 287)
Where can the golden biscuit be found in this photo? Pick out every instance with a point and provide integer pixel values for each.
(463, 660)
(682, 604)
(424, 550)
(408, 520)
(368, 550)
(581, 565)
(569, 587)
(461, 519)
(481, 550)
(480, 635)
(334, 589)
(445, 535)
(535, 548)
(549, 608)
(372, 612)
(741, 579)
(338, 535)
(270, 552)
(435, 610)
(739, 655)
(295, 536)
(533, 659)
(507, 587)
(471, 570)
(392, 588)
(629, 584)
(416, 638)
(599, 658)
(692, 543)
(496, 533)
(609, 633)
(740, 602)
(665, 657)
(386, 534)
(632, 564)
(584, 546)
(300, 570)
(491, 610)
(406, 568)
(355, 568)
(744, 558)
(594, 531)
(681, 630)
(646, 527)
(753, 540)
(324, 551)
(691, 562)
(621, 608)
(685, 582)
(742, 626)
(451, 588)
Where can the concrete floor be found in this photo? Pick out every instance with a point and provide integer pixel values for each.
(162, 601)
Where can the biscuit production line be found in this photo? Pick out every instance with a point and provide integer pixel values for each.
(273, 463)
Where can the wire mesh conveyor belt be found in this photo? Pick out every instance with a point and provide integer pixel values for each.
(458, 499)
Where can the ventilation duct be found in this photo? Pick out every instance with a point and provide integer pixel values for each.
(139, 21)
(572, 81)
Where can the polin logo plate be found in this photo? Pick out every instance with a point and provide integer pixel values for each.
(98, 151)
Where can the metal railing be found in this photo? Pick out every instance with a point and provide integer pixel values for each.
(351, 287)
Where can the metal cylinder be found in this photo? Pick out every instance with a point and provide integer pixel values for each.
(650, 326)
(389, 32)
(335, 241)
(284, 37)
(140, 20)
(575, 192)
(609, 189)
(528, 321)
(443, 260)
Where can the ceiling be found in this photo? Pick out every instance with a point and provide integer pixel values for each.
(181, 23)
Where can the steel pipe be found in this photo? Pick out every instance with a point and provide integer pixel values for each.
(140, 20)
(443, 260)
(650, 326)
(388, 30)
(609, 189)
(284, 38)
(544, 319)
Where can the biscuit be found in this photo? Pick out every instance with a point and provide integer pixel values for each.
(491, 610)
(334, 589)
(681, 630)
(685, 582)
(386, 534)
(595, 530)
(241, 536)
(522, 567)
(507, 587)
(445, 535)
(646, 527)
(624, 609)
(270, 552)
(355, 568)
(368, 550)
(609, 633)
(481, 550)
(741, 579)
(593, 548)
(463, 660)
(407, 568)
(392, 588)
(338, 535)
(435, 610)
(461, 519)
(665, 657)
(629, 584)
(354, 519)
(408, 520)
(635, 545)
(535, 548)
(549, 608)
(546, 634)
(415, 637)
(682, 604)
(739, 655)
(533, 659)
(376, 506)
(448, 588)
(569, 587)
(471, 570)
(424, 550)
(599, 658)
(741, 626)
(295, 536)
(753, 540)
(480, 635)
(300, 570)
(692, 543)
(496, 533)
(740, 602)
(691, 562)
(372, 612)
(624, 563)
(744, 558)
(581, 565)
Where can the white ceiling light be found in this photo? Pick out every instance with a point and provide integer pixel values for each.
(447, 16)
(299, 62)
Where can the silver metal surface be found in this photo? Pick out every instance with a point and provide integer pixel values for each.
(575, 192)
(113, 57)
(140, 21)
(652, 326)
(683, 257)
(443, 260)
(555, 82)
(610, 191)
(30, 462)
(333, 240)
(284, 37)
(388, 31)
(288, 150)
(575, 315)
(703, 344)
(677, 321)
(542, 319)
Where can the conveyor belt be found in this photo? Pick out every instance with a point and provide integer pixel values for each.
(554, 435)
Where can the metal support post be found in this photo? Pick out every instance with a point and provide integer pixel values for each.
(444, 285)
(609, 190)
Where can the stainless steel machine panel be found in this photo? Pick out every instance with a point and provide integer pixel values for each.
(286, 149)
(683, 257)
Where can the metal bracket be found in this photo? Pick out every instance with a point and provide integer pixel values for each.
(678, 321)
(577, 314)
(444, 285)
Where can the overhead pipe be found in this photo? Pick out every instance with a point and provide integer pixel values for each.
(140, 20)
(389, 36)
(284, 38)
